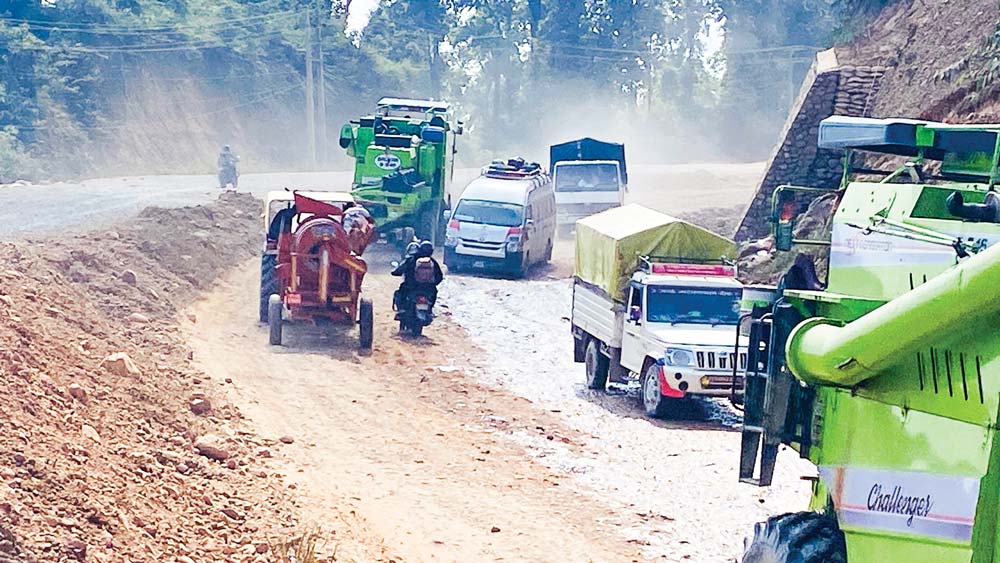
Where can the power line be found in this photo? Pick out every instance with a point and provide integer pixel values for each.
(264, 96)
(96, 28)
(186, 45)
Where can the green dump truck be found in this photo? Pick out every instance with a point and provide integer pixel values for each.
(887, 375)
(404, 163)
(653, 301)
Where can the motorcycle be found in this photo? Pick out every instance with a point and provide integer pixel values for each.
(228, 176)
(414, 310)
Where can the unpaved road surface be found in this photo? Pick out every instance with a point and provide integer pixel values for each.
(679, 475)
(420, 451)
(486, 425)
(29, 209)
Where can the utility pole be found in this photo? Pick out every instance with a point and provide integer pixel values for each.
(310, 88)
(323, 138)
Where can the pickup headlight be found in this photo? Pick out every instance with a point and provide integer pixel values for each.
(450, 240)
(678, 357)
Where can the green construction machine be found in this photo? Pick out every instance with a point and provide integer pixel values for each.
(886, 375)
(404, 163)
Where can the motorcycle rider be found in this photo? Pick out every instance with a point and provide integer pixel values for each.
(227, 164)
(407, 269)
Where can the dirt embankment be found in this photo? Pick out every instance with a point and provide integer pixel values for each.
(940, 59)
(114, 448)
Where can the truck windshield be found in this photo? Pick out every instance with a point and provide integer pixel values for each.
(586, 178)
(489, 213)
(693, 305)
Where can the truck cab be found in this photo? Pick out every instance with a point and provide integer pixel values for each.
(655, 301)
(687, 316)
(589, 177)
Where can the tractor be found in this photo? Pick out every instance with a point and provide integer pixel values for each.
(404, 164)
(311, 268)
(886, 375)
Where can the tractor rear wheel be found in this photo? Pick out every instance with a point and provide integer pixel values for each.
(268, 282)
(366, 324)
(800, 537)
(274, 321)
(596, 366)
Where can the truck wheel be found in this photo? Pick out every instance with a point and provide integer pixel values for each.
(596, 365)
(653, 401)
(800, 537)
(366, 324)
(548, 252)
(268, 282)
(274, 320)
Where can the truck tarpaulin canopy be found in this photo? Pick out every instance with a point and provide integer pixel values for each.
(610, 244)
(588, 149)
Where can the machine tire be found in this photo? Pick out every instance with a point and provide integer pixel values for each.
(799, 537)
(596, 366)
(268, 282)
(653, 402)
(417, 330)
(366, 324)
(274, 320)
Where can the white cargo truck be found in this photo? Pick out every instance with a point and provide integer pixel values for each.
(654, 301)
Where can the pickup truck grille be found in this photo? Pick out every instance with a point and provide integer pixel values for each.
(721, 360)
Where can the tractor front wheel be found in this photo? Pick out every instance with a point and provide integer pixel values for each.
(366, 324)
(274, 321)
(800, 537)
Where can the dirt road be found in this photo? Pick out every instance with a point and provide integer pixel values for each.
(417, 448)
(95, 203)
(436, 443)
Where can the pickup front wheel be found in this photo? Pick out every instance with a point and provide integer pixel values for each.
(596, 365)
(653, 401)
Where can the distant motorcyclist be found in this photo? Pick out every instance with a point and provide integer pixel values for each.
(227, 167)
(227, 158)
(420, 271)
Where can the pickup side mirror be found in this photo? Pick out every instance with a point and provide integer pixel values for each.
(635, 314)
(529, 222)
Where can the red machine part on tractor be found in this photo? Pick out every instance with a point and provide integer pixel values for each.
(318, 268)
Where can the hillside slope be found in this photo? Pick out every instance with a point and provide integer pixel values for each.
(941, 59)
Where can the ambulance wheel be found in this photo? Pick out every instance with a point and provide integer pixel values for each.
(274, 320)
(366, 324)
(596, 366)
(800, 537)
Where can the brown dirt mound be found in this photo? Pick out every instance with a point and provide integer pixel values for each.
(105, 460)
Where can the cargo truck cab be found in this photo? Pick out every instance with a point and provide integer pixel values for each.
(670, 323)
(677, 333)
(589, 177)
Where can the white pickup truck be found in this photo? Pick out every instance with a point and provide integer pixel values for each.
(671, 325)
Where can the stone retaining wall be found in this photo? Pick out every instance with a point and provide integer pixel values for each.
(828, 89)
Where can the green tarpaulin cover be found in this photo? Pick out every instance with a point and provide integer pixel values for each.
(609, 245)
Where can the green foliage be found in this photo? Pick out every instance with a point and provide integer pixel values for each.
(15, 164)
(67, 68)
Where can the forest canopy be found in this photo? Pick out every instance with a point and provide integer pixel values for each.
(158, 85)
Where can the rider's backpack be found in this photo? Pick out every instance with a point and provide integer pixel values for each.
(423, 270)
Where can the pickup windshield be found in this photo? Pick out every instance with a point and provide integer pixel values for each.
(489, 213)
(586, 178)
(693, 305)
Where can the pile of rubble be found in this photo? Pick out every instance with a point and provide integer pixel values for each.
(114, 448)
